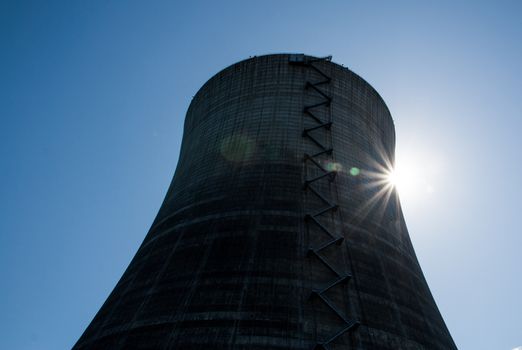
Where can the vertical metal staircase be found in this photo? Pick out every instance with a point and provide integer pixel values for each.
(324, 155)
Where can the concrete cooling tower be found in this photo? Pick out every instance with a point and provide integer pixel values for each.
(279, 230)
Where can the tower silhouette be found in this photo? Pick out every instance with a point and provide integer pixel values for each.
(278, 230)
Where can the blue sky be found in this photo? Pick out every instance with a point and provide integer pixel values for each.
(93, 97)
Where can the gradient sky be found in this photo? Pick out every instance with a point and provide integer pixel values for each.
(93, 97)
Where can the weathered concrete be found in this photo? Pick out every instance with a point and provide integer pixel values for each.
(236, 252)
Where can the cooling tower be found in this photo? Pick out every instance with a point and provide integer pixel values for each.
(277, 231)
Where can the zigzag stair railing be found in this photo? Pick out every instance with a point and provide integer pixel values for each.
(335, 239)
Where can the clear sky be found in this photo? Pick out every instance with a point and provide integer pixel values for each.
(92, 101)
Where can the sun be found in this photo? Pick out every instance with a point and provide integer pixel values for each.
(392, 178)
(410, 177)
(404, 178)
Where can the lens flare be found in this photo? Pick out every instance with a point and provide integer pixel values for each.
(355, 171)
(333, 166)
(237, 148)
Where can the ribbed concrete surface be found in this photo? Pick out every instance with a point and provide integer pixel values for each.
(226, 264)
